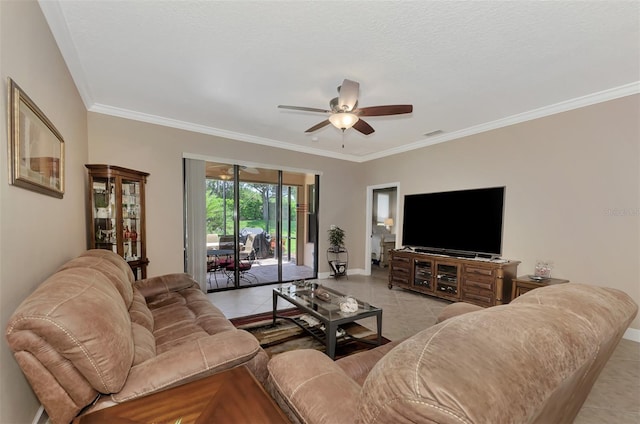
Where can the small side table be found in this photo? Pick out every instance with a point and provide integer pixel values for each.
(338, 261)
(523, 284)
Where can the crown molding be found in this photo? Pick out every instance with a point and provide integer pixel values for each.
(588, 100)
(234, 136)
(599, 97)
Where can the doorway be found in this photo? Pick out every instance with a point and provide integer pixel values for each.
(383, 224)
(257, 226)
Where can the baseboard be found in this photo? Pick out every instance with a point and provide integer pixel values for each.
(632, 334)
(41, 416)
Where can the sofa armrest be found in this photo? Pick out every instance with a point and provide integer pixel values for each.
(456, 309)
(358, 366)
(188, 362)
(164, 283)
(313, 387)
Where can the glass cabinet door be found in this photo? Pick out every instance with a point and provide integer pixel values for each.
(104, 214)
(131, 232)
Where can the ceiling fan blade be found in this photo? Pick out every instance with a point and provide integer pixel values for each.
(306, 109)
(348, 95)
(318, 126)
(363, 127)
(384, 110)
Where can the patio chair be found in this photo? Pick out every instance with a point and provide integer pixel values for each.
(247, 251)
(244, 266)
(217, 264)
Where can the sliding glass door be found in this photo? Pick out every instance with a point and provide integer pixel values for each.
(257, 226)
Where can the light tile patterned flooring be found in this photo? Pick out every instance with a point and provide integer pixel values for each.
(615, 398)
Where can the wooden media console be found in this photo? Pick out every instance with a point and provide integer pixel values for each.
(484, 282)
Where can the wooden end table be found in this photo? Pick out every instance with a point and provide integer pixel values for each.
(232, 396)
(524, 283)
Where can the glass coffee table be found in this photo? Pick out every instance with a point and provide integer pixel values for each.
(323, 304)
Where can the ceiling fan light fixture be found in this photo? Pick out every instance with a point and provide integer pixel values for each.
(343, 120)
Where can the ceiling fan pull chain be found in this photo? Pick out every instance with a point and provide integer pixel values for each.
(343, 138)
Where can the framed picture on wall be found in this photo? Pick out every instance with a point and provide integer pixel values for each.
(36, 147)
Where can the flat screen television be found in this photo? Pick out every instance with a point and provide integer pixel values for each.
(464, 222)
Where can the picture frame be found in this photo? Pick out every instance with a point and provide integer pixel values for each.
(36, 148)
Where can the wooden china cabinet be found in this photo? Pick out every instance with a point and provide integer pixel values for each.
(117, 214)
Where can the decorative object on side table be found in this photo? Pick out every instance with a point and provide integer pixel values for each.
(543, 270)
(35, 145)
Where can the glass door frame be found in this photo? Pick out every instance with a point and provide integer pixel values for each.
(236, 180)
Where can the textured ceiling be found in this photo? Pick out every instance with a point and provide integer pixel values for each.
(222, 67)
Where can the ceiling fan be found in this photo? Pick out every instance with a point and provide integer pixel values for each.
(344, 112)
(226, 170)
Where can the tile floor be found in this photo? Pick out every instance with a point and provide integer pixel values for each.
(615, 398)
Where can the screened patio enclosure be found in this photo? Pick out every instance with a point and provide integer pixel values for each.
(257, 224)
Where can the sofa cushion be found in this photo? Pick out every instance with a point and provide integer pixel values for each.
(296, 378)
(183, 316)
(143, 342)
(204, 356)
(80, 315)
(571, 297)
(490, 366)
(139, 311)
(114, 258)
(114, 274)
(164, 284)
(359, 365)
(456, 309)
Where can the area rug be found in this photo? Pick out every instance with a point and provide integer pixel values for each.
(286, 335)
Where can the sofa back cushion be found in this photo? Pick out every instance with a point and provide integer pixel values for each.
(114, 258)
(80, 315)
(142, 326)
(114, 274)
(608, 309)
(496, 365)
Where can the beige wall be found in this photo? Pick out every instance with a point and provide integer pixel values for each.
(572, 188)
(37, 233)
(159, 151)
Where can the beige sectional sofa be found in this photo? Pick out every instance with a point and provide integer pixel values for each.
(90, 336)
(532, 361)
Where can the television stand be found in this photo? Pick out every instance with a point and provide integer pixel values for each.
(484, 282)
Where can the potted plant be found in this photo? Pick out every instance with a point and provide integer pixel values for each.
(336, 237)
